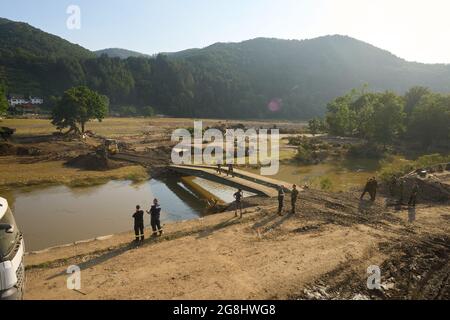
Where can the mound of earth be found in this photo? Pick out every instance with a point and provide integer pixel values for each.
(417, 268)
(93, 162)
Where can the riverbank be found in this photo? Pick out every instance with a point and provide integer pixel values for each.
(262, 256)
(17, 174)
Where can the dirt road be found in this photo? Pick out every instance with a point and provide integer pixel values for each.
(321, 252)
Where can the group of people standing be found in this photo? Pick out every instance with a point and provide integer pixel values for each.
(281, 195)
(395, 186)
(155, 221)
(228, 172)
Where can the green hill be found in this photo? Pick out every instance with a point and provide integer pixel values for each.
(18, 39)
(120, 53)
(307, 74)
(230, 80)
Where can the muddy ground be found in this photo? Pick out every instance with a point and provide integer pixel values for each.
(321, 252)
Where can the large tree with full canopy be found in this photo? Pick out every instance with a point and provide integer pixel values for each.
(78, 106)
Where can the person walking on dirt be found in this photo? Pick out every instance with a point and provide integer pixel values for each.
(366, 188)
(413, 197)
(294, 196)
(138, 216)
(238, 197)
(280, 199)
(155, 213)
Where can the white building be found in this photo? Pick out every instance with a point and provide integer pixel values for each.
(17, 100)
(36, 100)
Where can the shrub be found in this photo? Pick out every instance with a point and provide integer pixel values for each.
(326, 184)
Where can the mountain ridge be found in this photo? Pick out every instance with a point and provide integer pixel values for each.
(236, 79)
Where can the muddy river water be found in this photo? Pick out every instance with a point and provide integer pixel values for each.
(50, 216)
(55, 215)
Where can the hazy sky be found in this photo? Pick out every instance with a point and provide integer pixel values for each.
(417, 30)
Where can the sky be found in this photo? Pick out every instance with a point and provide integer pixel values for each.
(416, 30)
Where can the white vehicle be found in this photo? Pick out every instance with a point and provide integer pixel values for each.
(12, 248)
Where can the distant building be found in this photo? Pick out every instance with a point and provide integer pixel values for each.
(36, 100)
(18, 100)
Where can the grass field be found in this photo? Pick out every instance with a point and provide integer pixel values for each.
(116, 127)
(108, 127)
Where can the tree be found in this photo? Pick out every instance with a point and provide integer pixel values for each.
(3, 101)
(78, 106)
(388, 118)
(413, 96)
(430, 121)
(316, 126)
(340, 118)
(313, 126)
(148, 111)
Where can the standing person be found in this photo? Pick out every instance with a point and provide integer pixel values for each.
(238, 196)
(280, 199)
(294, 196)
(155, 213)
(392, 185)
(219, 168)
(413, 197)
(230, 170)
(373, 189)
(138, 216)
(366, 188)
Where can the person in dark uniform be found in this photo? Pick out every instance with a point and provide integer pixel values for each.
(238, 196)
(413, 197)
(230, 170)
(366, 188)
(138, 216)
(219, 168)
(373, 189)
(393, 185)
(294, 196)
(155, 213)
(280, 199)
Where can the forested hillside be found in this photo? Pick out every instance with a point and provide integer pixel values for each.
(231, 80)
(120, 53)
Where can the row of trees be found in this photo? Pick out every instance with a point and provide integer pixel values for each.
(420, 115)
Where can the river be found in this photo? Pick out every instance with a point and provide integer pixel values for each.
(56, 215)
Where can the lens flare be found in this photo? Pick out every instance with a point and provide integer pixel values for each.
(275, 105)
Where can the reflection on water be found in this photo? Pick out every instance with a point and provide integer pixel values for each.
(343, 174)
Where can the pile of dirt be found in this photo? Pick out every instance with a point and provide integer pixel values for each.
(416, 269)
(94, 162)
